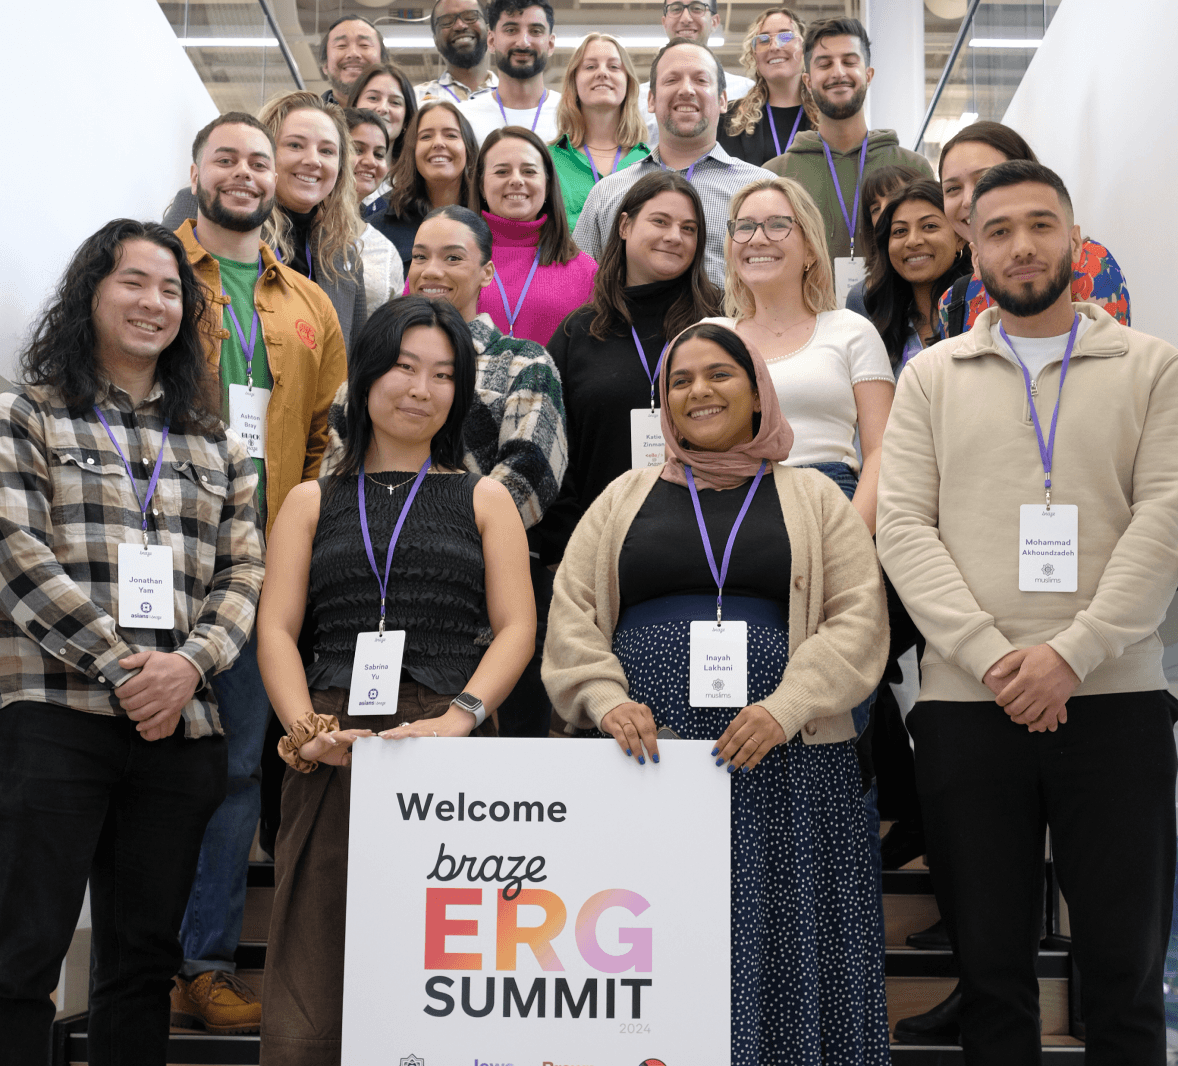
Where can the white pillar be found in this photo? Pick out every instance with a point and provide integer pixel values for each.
(896, 99)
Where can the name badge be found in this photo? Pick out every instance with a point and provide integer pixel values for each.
(376, 672)
(647, 446)
(247, 417)
(848, 273)
(1049, 547)
(718, 670)
(146, 599)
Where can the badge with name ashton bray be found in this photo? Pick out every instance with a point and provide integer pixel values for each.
(247, 417)
(718, 670)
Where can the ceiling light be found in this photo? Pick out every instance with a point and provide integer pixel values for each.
(228, 42)
(1006, 42)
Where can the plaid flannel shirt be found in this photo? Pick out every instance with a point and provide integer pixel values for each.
(66, 504)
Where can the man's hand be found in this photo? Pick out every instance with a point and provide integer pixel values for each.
(1033, 686)
(156, 695)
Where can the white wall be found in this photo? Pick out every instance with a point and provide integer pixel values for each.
(110, 137)
(896, 98)
(1097, 105)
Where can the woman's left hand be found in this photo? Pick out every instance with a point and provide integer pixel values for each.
(454, 723)
(748, 739)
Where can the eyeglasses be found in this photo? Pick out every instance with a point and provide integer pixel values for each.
(767, 40)
(469, 17)
(677, 9)
(776, 227)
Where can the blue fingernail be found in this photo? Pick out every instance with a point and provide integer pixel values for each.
(628, 753)
(720, 762)
(641, 761)
(716, 750)
(655, 757)
(731, 767)
(746, 768)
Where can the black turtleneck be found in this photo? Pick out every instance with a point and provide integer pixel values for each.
(301, 226)
(602, 381)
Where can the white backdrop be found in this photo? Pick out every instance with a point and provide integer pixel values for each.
(1096, 104)
(108, 136)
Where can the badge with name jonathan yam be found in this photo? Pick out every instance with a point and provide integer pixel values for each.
(146, 599)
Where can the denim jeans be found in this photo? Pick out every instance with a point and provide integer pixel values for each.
(212, 922)
(84, 796)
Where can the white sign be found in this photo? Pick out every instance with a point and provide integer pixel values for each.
(527, 902)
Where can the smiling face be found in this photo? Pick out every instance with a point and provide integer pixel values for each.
(308, 160)
(234, 183)
(601, 78)
(691, 25)
(710, 399)
(409, 403)
(961, 169)
(439, 153)
(838, 77)
(462, 43)
(372, 163)
(686, 97)
(350, 48)
(922, 244)
(514, 181)
(445, 265)
(522, 42)
(383, 94)
(660, 239)
(762, 261)
(779, 64)
(137, 306)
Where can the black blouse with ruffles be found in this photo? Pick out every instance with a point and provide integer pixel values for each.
(436, 590)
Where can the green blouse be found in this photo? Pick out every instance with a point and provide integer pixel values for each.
(576, 176)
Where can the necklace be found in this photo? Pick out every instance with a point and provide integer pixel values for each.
(787, 329)
(369, 477)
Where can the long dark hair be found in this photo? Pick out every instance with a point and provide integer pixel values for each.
(883, 181)
(62, 350)
(375, 350)
(727, 339)
(1001, 138)
(697, 299)
(556, 242)
(402, 79)
(410, 194)
(889, 298)
(473, 221)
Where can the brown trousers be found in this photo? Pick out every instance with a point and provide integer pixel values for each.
(303, 991)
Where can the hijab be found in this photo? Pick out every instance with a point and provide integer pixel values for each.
(726, 470)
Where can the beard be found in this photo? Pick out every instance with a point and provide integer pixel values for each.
(841, 111)
(676, 131)
(503, 62)
(1021, 299)
(217, 213)
(464, 60)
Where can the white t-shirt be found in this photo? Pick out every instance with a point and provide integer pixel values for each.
(483, 114)
(815, 385)
(1037, 352)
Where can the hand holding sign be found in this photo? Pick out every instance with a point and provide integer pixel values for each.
(632, 726)
(335, 749)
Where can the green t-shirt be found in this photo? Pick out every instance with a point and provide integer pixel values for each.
(238, 280)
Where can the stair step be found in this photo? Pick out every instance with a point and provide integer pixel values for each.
(909, 996)
(907, 962)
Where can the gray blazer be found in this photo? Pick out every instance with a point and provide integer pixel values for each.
(346, 295)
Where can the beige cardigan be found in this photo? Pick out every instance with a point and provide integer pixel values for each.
(838, 625)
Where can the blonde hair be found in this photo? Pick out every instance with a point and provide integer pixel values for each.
(337, 224)
(570, 121)
(749, 109)
(817, 280)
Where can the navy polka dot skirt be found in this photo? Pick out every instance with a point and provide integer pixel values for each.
(807, 958)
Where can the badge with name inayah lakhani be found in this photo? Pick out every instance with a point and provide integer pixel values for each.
(1048, 553)
(718, 670)
(376, 672)
(146, 599)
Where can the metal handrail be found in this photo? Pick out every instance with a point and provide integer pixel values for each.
(966, 22)
(288, 55)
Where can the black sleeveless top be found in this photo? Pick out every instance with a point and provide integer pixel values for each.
(436, 590)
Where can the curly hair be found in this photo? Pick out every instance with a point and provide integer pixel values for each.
(570, 121)
(62, 352)
(817, 282)
(746, 113)
(410, 194)
(337, 224)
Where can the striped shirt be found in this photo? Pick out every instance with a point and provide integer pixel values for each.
(716, 176)
(66, 504)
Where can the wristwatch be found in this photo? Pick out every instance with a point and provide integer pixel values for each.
(467, 701)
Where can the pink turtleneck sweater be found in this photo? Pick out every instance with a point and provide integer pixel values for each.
(555, 290)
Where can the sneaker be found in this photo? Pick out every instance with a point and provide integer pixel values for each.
(217, 1001)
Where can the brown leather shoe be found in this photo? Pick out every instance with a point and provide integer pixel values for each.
(216, 1001)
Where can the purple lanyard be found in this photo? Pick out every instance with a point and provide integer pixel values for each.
(852, 219)
(596, 176)
(452, 93)
(310, 264)
(247, 348)
(499, 101)
(155, 474)
(722, 573)
(792, 133)
(1046, 449)
(690, 169)
(910, 349)
(511, 317)
(652, 374)
(388, 563)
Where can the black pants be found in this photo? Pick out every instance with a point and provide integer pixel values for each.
(1104, 782)
(84, 797)
(527, 712)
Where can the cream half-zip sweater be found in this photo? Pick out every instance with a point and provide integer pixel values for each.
(960, 456)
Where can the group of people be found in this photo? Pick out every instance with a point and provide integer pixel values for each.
(498, 380)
